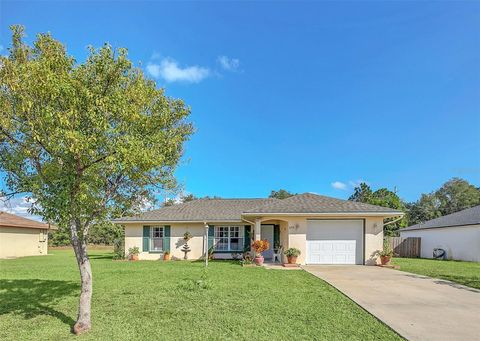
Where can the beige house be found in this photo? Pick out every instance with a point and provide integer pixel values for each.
(21, 237)
(326, 230)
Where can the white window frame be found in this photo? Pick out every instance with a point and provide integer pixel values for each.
(231, 230)
(152, 238)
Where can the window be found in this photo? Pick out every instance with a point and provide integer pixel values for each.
(43, 235)
(228, 238)
(156, 238)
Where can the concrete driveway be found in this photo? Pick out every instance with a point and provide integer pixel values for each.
(416, 307)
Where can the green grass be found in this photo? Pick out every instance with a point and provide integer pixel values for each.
(150, 300)
(466, 273)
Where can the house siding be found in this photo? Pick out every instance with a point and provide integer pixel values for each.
(21, 242)
(460, 242)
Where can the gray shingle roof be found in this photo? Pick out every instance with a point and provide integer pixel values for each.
(470, 216)
(232, 209)
(314, 203)
(201, 210)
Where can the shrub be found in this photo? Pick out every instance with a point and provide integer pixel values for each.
(118, 249)
(292, 252)
(260, 245)
(133, 251)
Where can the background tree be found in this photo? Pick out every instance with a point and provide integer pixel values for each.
(454, 195)
(186, 198)
(381, 197)
(281, 194)
(85, 139)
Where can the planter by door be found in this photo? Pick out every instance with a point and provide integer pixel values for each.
(385, 260)
(259, 260)
(134, 257)
(292, 260)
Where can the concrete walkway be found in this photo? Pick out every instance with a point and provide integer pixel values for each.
(416, 307)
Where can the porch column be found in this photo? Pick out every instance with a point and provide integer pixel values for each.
(258, 229)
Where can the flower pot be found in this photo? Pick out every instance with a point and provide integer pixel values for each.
(134, 257)
(292, 259)
(259, 260)
(385, 260)
(166, 256)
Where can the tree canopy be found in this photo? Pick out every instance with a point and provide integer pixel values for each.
(281, 194)
(454, 195)
(381, 197)
(86, 139)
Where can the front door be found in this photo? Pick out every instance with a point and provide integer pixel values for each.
(267, 233)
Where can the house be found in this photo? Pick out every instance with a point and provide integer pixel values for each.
(326, 230)
(21, 237)
(457, 233)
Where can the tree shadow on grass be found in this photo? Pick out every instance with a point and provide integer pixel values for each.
(33, 297)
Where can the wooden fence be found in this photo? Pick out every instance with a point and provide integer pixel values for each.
(406, 247)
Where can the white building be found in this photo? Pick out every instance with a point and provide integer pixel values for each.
(457, 233)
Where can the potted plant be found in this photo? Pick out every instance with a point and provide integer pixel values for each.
(386, 254)
(260, 246)
(133, 253)
(292, 254)
(166, 255)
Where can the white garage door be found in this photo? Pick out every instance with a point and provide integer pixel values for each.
(334, 242)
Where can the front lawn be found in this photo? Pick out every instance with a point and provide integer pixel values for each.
(171, 301)
(466, 273)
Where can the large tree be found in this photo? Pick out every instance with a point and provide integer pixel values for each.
(381, 197)
(454, 195)
(85, 139)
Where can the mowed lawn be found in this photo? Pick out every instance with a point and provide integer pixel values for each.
(149, 300)
(466, 273)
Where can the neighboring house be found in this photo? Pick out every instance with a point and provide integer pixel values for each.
(457, 233)
(21, 237)
(326, 230)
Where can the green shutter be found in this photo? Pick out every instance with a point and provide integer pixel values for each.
(166, 238)
(276, 235)
(146, 238)
(211, 236)
(246, 239)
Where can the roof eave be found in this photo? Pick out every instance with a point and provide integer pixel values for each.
(356, 214)
(158, 221)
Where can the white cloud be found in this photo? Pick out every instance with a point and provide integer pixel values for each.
(229, 64)
(169, 70)
(339, 185)
(18, 206)
(356, 183)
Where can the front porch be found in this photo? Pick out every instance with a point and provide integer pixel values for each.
(276, 232)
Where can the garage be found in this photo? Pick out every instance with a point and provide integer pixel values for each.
(335, 241)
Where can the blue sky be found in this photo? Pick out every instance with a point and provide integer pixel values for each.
(307, 96)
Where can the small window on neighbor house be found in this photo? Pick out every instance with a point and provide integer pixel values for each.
(156, 238)
(43, 235)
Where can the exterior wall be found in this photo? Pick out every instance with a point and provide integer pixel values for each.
(293, 233)
(134, 237)
(297, 235)
(460, 242)
(21, 242)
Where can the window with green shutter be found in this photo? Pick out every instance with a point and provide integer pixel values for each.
(166, 238)
(146, 238)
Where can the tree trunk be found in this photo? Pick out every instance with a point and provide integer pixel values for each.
(83, 322)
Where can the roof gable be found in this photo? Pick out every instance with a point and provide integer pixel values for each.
(314, 203)
(470, 216)
(11, 220)
(227, 210)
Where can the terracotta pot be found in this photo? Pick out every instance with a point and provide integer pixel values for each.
(166, 256)
(385, 260)
(292, 259)
(134, 257)
(259, 260)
